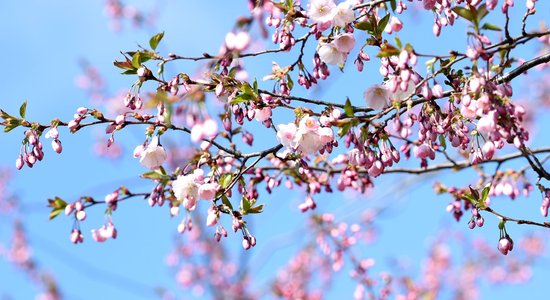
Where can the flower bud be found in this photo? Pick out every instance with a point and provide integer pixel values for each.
(56, 146)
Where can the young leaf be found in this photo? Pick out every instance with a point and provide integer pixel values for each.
(225, 180)
(463, 12)
(154, 175)
(136, 60)
(348, 109)
(489, 26)
(155, 40)
(442, 141)
(344, 129)
(55, 212)
(23, 109)
(383, 22)
(226, 201)
(365, 26)
(245, 205)
(481, 12)
(485, 193)
(393, 4)
(256, 209)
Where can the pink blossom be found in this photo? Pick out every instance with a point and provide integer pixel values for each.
(138, 151)
(344, 43)
(263, 114)
(343, 14)
(308, 123)
(321, 11)
(286, 135)
(377, 96)
(207, 191)
(329, 54)
(487, 123)
(326, 135)
(239, 41)
(187, 190)
(210, 128)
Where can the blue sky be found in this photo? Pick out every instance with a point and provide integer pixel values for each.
(42, 43)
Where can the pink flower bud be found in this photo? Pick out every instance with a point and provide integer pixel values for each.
(488, 150)
(76, 236)
(52, 133)
(81, 215)
(246, 244)
(69, 209)
(480, 221)
(120, 119)
(56, 146)
(19, 162)
(212, 218)
(73, 125)
(424, 151)
(437, 91)
(174, 211)
(82, 110)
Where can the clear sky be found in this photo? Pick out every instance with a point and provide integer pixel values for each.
(42, 44)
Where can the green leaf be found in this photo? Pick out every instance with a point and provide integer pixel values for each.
(481, 12)
(155, 176)
(225, 180)
(256, 209)
(485, 193)
(23, 109)
(393, 4)
(55, 212)
(383, 22)
(365, 26)
(475, 193)
(226, 201)
(155, 40)
(430, 65)
(465, 13)
(348, 109)
(12, 124)
(129, 72)
(136, 60)
(241, 98)
(489, 26)
(290, 83)
(246, 89)
(245, 205)
(344, 129)
(255, 86)
(398, 43)
(442, 141)
(469, 198)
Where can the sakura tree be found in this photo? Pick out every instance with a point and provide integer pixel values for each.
(319, 99)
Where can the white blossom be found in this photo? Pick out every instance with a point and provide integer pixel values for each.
(154, 155)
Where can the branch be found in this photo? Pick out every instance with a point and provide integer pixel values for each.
(518, 221)
(457, 166)
(523, 68)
